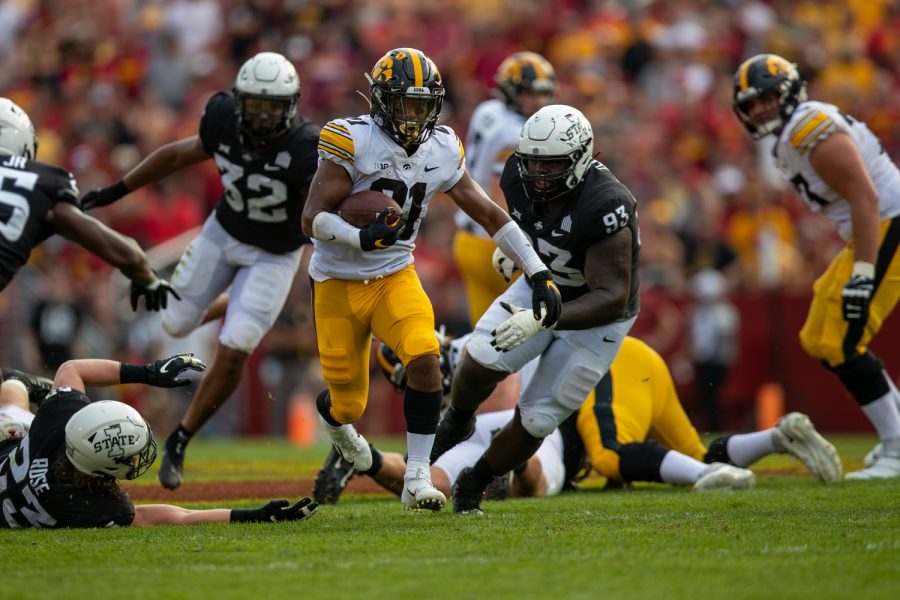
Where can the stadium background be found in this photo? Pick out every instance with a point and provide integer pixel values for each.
(108, 81)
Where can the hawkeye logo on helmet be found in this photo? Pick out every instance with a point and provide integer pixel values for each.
(383, 70)
(114, 442)
(777, 65)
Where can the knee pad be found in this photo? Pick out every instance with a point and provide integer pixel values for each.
(242, 332)
(571, 390)
(863, 376)
(348, 407)
(641, 461)
(420, 342)
(718, 451)
(538, 424)
(180, 322)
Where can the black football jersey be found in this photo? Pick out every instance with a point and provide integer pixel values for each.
(599, 207)
(264, 190)
(34, 495)
(28, 192)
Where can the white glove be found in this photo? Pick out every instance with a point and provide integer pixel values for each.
(518, 328)
(504, 265)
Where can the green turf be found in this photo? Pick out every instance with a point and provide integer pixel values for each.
(790, 537)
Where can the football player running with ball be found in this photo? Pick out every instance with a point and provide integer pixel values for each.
(364, 279)
(266, 156)
(583, 223)
(840, 169)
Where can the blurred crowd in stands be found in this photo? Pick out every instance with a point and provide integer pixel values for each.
(108, 81)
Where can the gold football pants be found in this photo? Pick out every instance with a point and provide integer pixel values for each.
(394, 309)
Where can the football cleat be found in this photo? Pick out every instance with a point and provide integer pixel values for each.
(873, 455)
(419, 493)
(352, 447)
(467, 495)
(720, 476)
(885, 466)
(38, 387)
(795, 433)
(171, 469)
(449, 434)
(332, 478)
(498, 488)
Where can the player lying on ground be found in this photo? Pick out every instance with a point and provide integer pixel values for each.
(632, 427)
(59, 467)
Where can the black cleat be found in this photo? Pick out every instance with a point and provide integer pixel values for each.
(332, 478)
(449, 434)
(498, 488)
(171, 470)
(38, 387)
(467, 495)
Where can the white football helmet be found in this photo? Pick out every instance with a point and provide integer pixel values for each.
(17, 137)
(111, 439)
(268, 76)
(555, 133)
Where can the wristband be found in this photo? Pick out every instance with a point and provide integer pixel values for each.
(864, 269)
(245, 516)
(329, 228)
(514, 243)
(119, 189)
(133, 373)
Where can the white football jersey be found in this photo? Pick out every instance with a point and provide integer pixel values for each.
(375, 162)
(811, 123)
(494, 132)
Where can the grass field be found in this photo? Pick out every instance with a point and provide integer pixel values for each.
(790, 537)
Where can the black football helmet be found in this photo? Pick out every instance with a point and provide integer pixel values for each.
(272, 80)
(524, 71)
(406, 95)
(767, 74)
(394, 370)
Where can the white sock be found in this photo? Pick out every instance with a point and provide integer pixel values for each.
(680, 468)
(746, 448)
(418, 449)
(884, 415)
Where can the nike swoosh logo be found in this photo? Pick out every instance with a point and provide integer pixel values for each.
(427, 169)
(165, 367)
(607, 340)
(555, 233)
(332, 238)
(269, 167)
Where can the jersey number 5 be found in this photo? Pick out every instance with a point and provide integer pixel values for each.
(14, 207)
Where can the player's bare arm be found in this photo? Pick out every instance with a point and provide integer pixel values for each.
(97, 372)
(165, 160)
(840, 165)
(118, 250)
(607, 270)
(162, 162)
(469, 196)
(329, 186)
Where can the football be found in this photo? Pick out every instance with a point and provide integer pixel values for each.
(361, 208)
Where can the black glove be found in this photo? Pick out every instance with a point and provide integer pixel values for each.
(379, 234)
(155, 294)
(544, 292)
(103, 196)
(276, 510)
(855, 298)
(162, 373)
